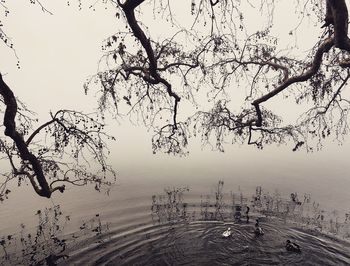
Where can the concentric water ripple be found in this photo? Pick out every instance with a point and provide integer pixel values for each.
(170, 230)
(179, 227)
(201, 243)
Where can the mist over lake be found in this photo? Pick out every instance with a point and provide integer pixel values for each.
(159, 133)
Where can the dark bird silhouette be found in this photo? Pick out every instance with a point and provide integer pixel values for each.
(258, 230)
(290, 246)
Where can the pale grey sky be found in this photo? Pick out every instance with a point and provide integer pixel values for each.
(58, 52)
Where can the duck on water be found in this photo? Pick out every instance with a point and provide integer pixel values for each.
(293, 247)
(227, 233)
(258, 230)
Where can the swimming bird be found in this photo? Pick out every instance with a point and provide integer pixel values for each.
(290, 246)
(227, 233)
(259, 231)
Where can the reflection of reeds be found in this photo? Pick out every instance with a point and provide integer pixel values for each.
(46, 245)
(32, 247)
(169, 208)
(234, 207)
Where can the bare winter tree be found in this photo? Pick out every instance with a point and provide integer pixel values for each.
(56, 152)
(70, 148)
(204, 72)
(215, 58)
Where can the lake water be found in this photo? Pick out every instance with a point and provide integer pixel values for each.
(157, 221)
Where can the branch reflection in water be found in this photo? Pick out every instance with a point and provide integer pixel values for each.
(47, 243)
(183, 225)
(171, 207)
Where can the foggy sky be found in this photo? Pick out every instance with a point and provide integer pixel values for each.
(57, 53)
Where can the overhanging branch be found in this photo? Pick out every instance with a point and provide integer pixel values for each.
(11, 131)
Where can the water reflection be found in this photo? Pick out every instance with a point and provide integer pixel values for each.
(171, 207)
(47, 244)
(37, 246)
(179, 227)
